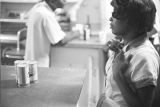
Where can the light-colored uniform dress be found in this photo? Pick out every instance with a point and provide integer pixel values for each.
(143, 71)
(43, 30)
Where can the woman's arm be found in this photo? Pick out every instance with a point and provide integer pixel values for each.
(130, 97)
(143, 97)
(146, 95)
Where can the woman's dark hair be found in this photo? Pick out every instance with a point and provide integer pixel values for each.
(139, 13)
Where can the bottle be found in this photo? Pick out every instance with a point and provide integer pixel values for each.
(87, 29)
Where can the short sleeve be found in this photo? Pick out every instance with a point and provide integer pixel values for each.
(53, 30)
(144, 70)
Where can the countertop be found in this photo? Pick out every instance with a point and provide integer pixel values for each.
(56, 87)
(94, 42)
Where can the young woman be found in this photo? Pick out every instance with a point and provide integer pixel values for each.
(132, 73)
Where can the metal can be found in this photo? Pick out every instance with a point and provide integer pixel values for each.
(15, 66)
(33, 72)
(18, 62)
(23, 79)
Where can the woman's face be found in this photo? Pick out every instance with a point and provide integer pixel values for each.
(119, 27)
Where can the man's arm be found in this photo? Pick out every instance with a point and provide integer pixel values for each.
(69, 37)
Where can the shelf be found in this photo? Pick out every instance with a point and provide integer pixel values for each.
(20, 1)
(14, 20)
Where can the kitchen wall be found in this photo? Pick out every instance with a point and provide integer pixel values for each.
(106, 13)
(79, 11)
(99, 12)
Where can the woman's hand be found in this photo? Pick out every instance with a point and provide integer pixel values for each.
(106, 102)
(120, 64)
(109, 103)
(115, 45)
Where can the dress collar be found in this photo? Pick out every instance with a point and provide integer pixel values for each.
(135, 43)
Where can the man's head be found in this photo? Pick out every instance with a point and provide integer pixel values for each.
(54, 4)
(139, 14)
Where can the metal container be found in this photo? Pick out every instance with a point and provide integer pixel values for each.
(22, 70)
(33, 74)
(19, 62)
(87, 32)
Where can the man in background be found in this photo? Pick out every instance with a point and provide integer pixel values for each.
(44, 30)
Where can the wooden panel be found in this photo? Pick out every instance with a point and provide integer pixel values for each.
(70, 57)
